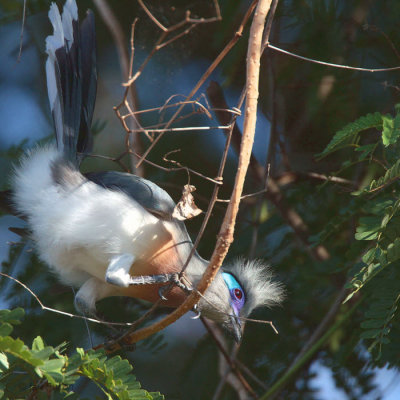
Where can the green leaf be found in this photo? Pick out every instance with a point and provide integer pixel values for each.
(37, 344)
(393, 250)
(366, 235)
(51, 369)
(391, 129)
(368, 229)
(12, 316)
(17, 348)
(5, 329)
(4, 364)
(350, 131)
(369, 256)
(390, 176)
(372, 323)
(365, 150)
(370, 334)
(156, 396)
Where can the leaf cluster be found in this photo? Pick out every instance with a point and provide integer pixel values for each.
(377, 222)
(39, 370)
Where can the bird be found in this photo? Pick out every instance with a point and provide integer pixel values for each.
(113, 233)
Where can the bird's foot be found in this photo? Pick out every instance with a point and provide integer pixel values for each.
(177, 280)
(196, 311)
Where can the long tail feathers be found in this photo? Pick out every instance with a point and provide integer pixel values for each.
(72, 79)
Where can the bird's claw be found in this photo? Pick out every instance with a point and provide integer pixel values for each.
(196, 311)
(161, 292)
(174, 279)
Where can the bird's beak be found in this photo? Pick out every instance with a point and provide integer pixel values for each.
(236, 328)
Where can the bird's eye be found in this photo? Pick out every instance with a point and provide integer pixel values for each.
(238, 294)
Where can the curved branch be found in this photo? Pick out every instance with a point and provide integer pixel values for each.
(225, 236)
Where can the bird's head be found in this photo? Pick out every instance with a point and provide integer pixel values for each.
(236, 291)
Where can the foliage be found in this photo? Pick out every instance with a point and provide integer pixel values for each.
(350, 133)
(378, 224)
(39, 370)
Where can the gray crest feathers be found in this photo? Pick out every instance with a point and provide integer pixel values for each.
(255, 277)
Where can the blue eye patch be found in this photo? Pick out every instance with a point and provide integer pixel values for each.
(236, 292)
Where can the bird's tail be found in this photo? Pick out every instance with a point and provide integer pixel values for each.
(72, 79)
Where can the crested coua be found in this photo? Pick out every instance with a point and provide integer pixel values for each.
(113, 233)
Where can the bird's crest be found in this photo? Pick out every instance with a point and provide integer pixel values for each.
(255, 278)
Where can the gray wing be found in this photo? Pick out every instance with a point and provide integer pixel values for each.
(150, 196)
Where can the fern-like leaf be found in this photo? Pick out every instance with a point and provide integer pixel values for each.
(392, 174)
(351, 130)
(46, 364)
(378, 317)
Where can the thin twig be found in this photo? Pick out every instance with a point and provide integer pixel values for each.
(21, 36)
(182, 129)
(250, 374)
(269, 45)
(225, 236)
(45, 308)
(268, 26)
(150, 15)
(246, 196)
(204, 77)
(291, 177)
(166, 31)
(125, 61)
(218, 339)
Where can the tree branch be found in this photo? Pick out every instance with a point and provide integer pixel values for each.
(225, 236)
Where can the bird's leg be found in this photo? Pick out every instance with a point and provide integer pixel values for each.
(173, 279)
(118, 274)
(118, 270)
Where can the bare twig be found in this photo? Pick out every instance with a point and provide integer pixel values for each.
(291, 177)
(269, 45)
(131, 78)
(126, 63)
(268, 26)
(21, 36)
(150, 15)
(245, 196)
(221, 344)
(206, 74)
(182, 129)
(45, 308)
(250, 374)
(225, 236)
(166, 31)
